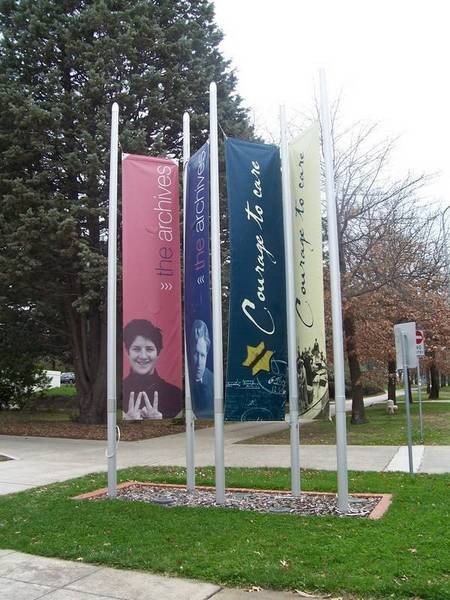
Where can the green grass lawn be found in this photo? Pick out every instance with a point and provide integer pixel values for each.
(380, 429)
(51, 405)
(66, 389)
(404, 555)
(41, 412)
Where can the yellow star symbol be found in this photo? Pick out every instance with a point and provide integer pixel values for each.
(258, 358)
(252, 354)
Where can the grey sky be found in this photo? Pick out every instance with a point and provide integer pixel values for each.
(388, 59)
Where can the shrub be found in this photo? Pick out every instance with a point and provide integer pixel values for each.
(18, 383)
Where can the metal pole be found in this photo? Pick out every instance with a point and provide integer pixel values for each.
(336, 303)
(216, 280)
(112, 305)
(290, 312)
(408, 411)
(419, 390)
(189, 415)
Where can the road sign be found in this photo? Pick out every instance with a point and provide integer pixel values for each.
(420, 338)
(406, 333)
(405, 347)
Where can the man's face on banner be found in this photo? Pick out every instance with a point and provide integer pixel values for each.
(200, 354)
(143, 355)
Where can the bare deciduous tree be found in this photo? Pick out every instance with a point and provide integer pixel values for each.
(387, 240)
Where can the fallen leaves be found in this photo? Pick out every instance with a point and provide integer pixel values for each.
(285, 564)
(73, 430)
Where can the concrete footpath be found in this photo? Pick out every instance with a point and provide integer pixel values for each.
(28, 577)
(40, 461)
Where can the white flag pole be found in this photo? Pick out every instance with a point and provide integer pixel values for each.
(111, 367)
(290, 295)
(336, 302)
(216, 298)
(190, 423)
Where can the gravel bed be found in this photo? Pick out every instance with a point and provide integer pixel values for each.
(262, 502)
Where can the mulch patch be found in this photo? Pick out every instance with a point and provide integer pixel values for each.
(129, 432)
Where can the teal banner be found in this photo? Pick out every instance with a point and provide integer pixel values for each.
(257, 352)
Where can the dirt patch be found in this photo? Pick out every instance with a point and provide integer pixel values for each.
(372, 506)
(129, 432)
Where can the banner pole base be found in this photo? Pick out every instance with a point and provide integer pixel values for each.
(341, 454)
(294, 427)
(220, 457)
(190, 450)
(112, 452)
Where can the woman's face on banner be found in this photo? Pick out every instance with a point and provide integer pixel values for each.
(143, 356)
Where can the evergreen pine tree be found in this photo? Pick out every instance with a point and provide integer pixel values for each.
(62, 65)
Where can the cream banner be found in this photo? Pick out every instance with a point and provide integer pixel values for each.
(304, 165)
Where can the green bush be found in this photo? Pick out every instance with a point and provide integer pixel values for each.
(18, 383)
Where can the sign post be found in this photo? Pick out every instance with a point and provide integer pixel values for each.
(420, 345)
(405, 346)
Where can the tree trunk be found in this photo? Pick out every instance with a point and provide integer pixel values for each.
(392, 380)
(92, 405)
(88, 333)
(434, 382)
(428, 381)
(358, 411)
(410, 381)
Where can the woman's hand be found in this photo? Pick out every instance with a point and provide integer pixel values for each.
(134, 413)
(148, 411)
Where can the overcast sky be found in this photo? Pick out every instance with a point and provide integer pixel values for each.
(388, 59)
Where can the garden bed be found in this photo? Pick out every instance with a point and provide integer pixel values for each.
(129, 432)
(372, 506)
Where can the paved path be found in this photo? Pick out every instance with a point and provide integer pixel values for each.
(369, 401)
(27, 577)
(40, 461)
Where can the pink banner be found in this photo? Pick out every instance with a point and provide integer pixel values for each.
(152, 356)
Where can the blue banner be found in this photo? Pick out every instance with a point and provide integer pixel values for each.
(197, 307)
(257, 351)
